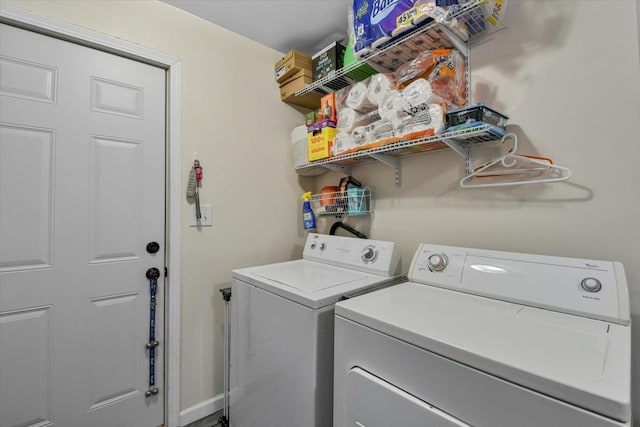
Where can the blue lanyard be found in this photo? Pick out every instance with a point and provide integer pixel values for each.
(152, 275)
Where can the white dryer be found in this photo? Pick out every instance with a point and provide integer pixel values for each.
(282, 328)
(487, 339)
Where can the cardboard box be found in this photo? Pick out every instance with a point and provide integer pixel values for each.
(289, 88)
(320, 139)
(292, 63)
(328, 60)
(328, 107)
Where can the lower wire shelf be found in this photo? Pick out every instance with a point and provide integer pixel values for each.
(391, 153)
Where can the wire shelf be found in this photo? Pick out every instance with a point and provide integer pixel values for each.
(475, 135)
(430, 36)
(353, 202)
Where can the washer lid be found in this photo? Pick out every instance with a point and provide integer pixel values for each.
(309, 283)
(578, 360)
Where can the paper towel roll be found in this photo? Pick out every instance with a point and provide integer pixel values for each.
(379, 42)
(402, 29)
(382, 129)
(379, 85)
(423, 117)
(357, 99)
(418, 92)
(392, 104)
(362, 52)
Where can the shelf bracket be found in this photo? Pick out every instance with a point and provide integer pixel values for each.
(338, 168)
(394, 162)
(457, 146)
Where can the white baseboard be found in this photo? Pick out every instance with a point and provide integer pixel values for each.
(202, 409)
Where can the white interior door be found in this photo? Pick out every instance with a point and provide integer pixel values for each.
(82, 172)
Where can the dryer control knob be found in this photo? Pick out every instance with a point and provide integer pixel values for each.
(437, 262)
(591, 285)
(369, 254)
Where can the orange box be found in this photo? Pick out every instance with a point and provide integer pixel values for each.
(328, 107)
(320, 140)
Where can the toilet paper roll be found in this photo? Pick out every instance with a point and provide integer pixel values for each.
(359, 136)
(418, 92)
(357, 98)
(342, 142)
(379, 86)
(348, 119)
(392, 104)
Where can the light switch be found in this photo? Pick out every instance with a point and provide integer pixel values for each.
(206, 214)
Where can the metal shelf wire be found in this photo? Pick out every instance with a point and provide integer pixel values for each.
(400, 50)
(408, 147)
(353, 202)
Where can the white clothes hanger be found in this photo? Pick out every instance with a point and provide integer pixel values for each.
(527, 165)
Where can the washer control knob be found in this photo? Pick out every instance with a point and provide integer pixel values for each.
(313, 245)
(369, 254)
(590, 284)
(437, 262)
(323, 246)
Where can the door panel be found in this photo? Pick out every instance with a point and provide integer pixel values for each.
(25, 359)
(82, 163)
(116, 168)
(26, 221)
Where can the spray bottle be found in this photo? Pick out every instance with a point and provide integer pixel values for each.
(308, 217)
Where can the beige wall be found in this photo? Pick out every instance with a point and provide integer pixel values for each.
(567, 73)
(233, 118)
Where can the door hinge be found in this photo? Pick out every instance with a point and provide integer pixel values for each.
(166, 272)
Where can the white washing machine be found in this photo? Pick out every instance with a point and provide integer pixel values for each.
(487, 339)
(282, 328)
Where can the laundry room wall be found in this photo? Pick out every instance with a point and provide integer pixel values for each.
(233, 118)
(567, 73)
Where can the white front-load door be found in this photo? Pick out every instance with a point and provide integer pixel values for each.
(82, 171)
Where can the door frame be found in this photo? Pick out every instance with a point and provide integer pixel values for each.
(173, 184)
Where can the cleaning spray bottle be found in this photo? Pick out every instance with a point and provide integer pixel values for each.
(308, 217)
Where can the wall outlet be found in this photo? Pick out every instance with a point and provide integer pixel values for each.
(206, 213)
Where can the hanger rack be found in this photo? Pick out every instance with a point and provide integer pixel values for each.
(531, 169)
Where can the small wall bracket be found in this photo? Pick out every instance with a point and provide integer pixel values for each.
(394, 162)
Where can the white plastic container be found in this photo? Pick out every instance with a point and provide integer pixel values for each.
(299, 145)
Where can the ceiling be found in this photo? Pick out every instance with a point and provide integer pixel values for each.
(304, 25)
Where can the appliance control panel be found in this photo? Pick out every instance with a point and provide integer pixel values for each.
(595, 289)
(370, 256)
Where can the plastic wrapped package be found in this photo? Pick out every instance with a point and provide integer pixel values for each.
(443, 69)
(378, 86)
(349, 119)
(342, 143)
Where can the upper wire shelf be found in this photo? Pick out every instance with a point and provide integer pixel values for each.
(433, 35)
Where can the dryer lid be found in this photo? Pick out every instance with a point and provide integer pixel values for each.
(310, 283)
(578, 360)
